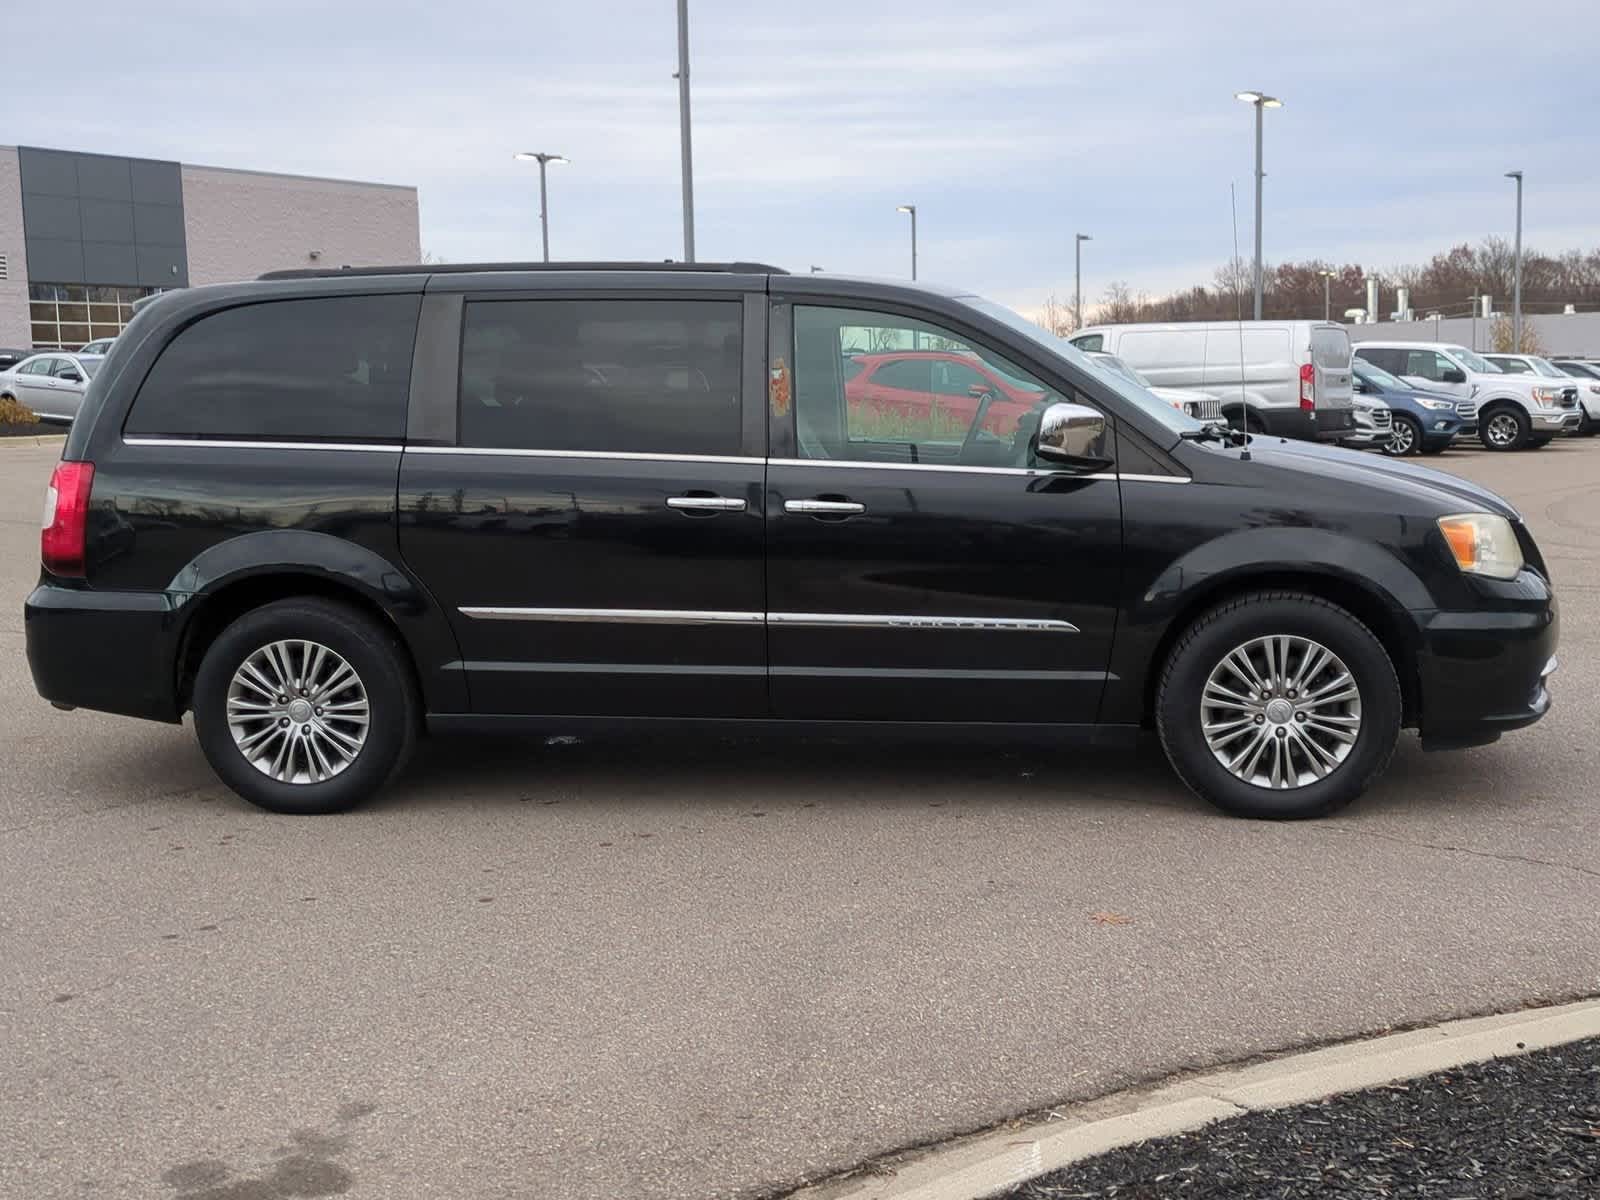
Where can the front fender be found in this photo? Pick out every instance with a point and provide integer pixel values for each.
(264, 554)
(1267, 556)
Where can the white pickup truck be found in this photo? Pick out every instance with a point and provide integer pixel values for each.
(1514, 412)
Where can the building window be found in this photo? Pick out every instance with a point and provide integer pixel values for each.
(66, 315)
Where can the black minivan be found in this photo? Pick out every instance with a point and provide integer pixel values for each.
(329, 511)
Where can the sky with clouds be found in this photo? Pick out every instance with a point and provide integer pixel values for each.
(1011, 124)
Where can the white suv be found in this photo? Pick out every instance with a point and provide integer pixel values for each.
(1513, 412)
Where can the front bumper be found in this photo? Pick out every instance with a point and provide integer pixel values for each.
(111, 651)
(1486, 672)
(1556, 420)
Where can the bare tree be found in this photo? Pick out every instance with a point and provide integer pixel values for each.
(1500, 337)
(1056, 316)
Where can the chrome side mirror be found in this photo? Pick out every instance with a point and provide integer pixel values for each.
(1073, 435)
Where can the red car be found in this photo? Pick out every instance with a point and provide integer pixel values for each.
(928, 393)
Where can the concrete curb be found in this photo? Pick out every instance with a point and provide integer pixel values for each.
(992, 1162)
(43, 439)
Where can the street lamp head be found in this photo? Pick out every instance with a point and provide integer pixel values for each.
(906, 208)
(539, 156)
(1247, 97)
(1513, 174)
(1083, 237)
(1260, 98)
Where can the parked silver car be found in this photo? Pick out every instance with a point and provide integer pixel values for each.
(51, 383)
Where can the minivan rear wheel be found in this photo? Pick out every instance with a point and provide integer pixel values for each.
(1504, 428)
(1278, 705)
(305, 706)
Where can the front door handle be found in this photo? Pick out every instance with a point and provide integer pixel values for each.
(706, 503)
(825, 508)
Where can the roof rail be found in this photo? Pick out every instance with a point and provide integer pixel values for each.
(727, 268)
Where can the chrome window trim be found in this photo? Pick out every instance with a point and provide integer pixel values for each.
(694, 616)
(635, 456)
(231, 444)
(619, 455)
(1032, 472)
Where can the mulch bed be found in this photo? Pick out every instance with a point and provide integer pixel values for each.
(1513, 1129)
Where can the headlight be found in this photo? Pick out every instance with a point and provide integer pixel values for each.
(1483, 544)
(1438, 405)
(1547, 396)
(1595, 388)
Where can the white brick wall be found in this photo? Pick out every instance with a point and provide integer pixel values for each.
(14, 330)
(241, 223)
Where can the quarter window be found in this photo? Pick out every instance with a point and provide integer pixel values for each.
(334, 369)
(918, 404)
(605, 376)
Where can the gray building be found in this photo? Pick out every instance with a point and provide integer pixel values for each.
(83, 236)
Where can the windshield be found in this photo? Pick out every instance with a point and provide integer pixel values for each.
(1133, 393)
(1471, 361)
(1368, 373)
(1546, 368)
(1121, 368)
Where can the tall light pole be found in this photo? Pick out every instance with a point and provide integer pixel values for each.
(1516, 273)
(1327, 311)
(912, 209)
(1259, 101)
(1078, 239)
(543, 160)
(683, 129)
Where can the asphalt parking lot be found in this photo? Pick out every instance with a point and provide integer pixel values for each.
(595, 970)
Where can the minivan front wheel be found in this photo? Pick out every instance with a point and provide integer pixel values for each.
(305, 706)
(1504, 429)
(1278, 705)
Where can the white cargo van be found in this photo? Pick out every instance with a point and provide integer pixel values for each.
(1290, 378)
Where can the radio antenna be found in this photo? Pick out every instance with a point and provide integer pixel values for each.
(1238, 308)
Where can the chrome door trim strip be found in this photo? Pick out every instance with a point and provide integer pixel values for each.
(618, 455)
(918, 621)
(620, 616)
(230, 444)
(799, 620)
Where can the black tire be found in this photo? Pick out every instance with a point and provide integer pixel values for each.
(1489, 431)
(1411, 431)
(1539, 443)
(1587, 425)
(1212, 637)
(1436, 448)
(378, 659)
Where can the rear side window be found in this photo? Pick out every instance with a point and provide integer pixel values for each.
(602, 376)
(334, 369)
(1090, 341)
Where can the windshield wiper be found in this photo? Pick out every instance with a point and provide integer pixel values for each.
(1218, 431)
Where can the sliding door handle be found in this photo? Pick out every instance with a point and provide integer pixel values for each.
(706, 503)
(825, 508)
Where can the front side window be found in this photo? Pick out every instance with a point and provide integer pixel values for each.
(1427, 364)
(65, 368)
(933, 399)
(603, 376)
(333, 369)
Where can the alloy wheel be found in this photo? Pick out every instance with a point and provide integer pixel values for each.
(1403, 440)
(1503, 429)
(298, 712)
(1281, 712)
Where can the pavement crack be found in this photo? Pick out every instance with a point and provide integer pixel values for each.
(1510, 858)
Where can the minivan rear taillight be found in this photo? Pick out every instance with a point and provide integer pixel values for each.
(66, 518)
(1308, 388)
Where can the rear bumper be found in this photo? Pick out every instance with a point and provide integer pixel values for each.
(1484, 673)
(1327, 425)
(111, 651)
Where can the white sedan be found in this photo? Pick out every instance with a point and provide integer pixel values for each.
(51, 383)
